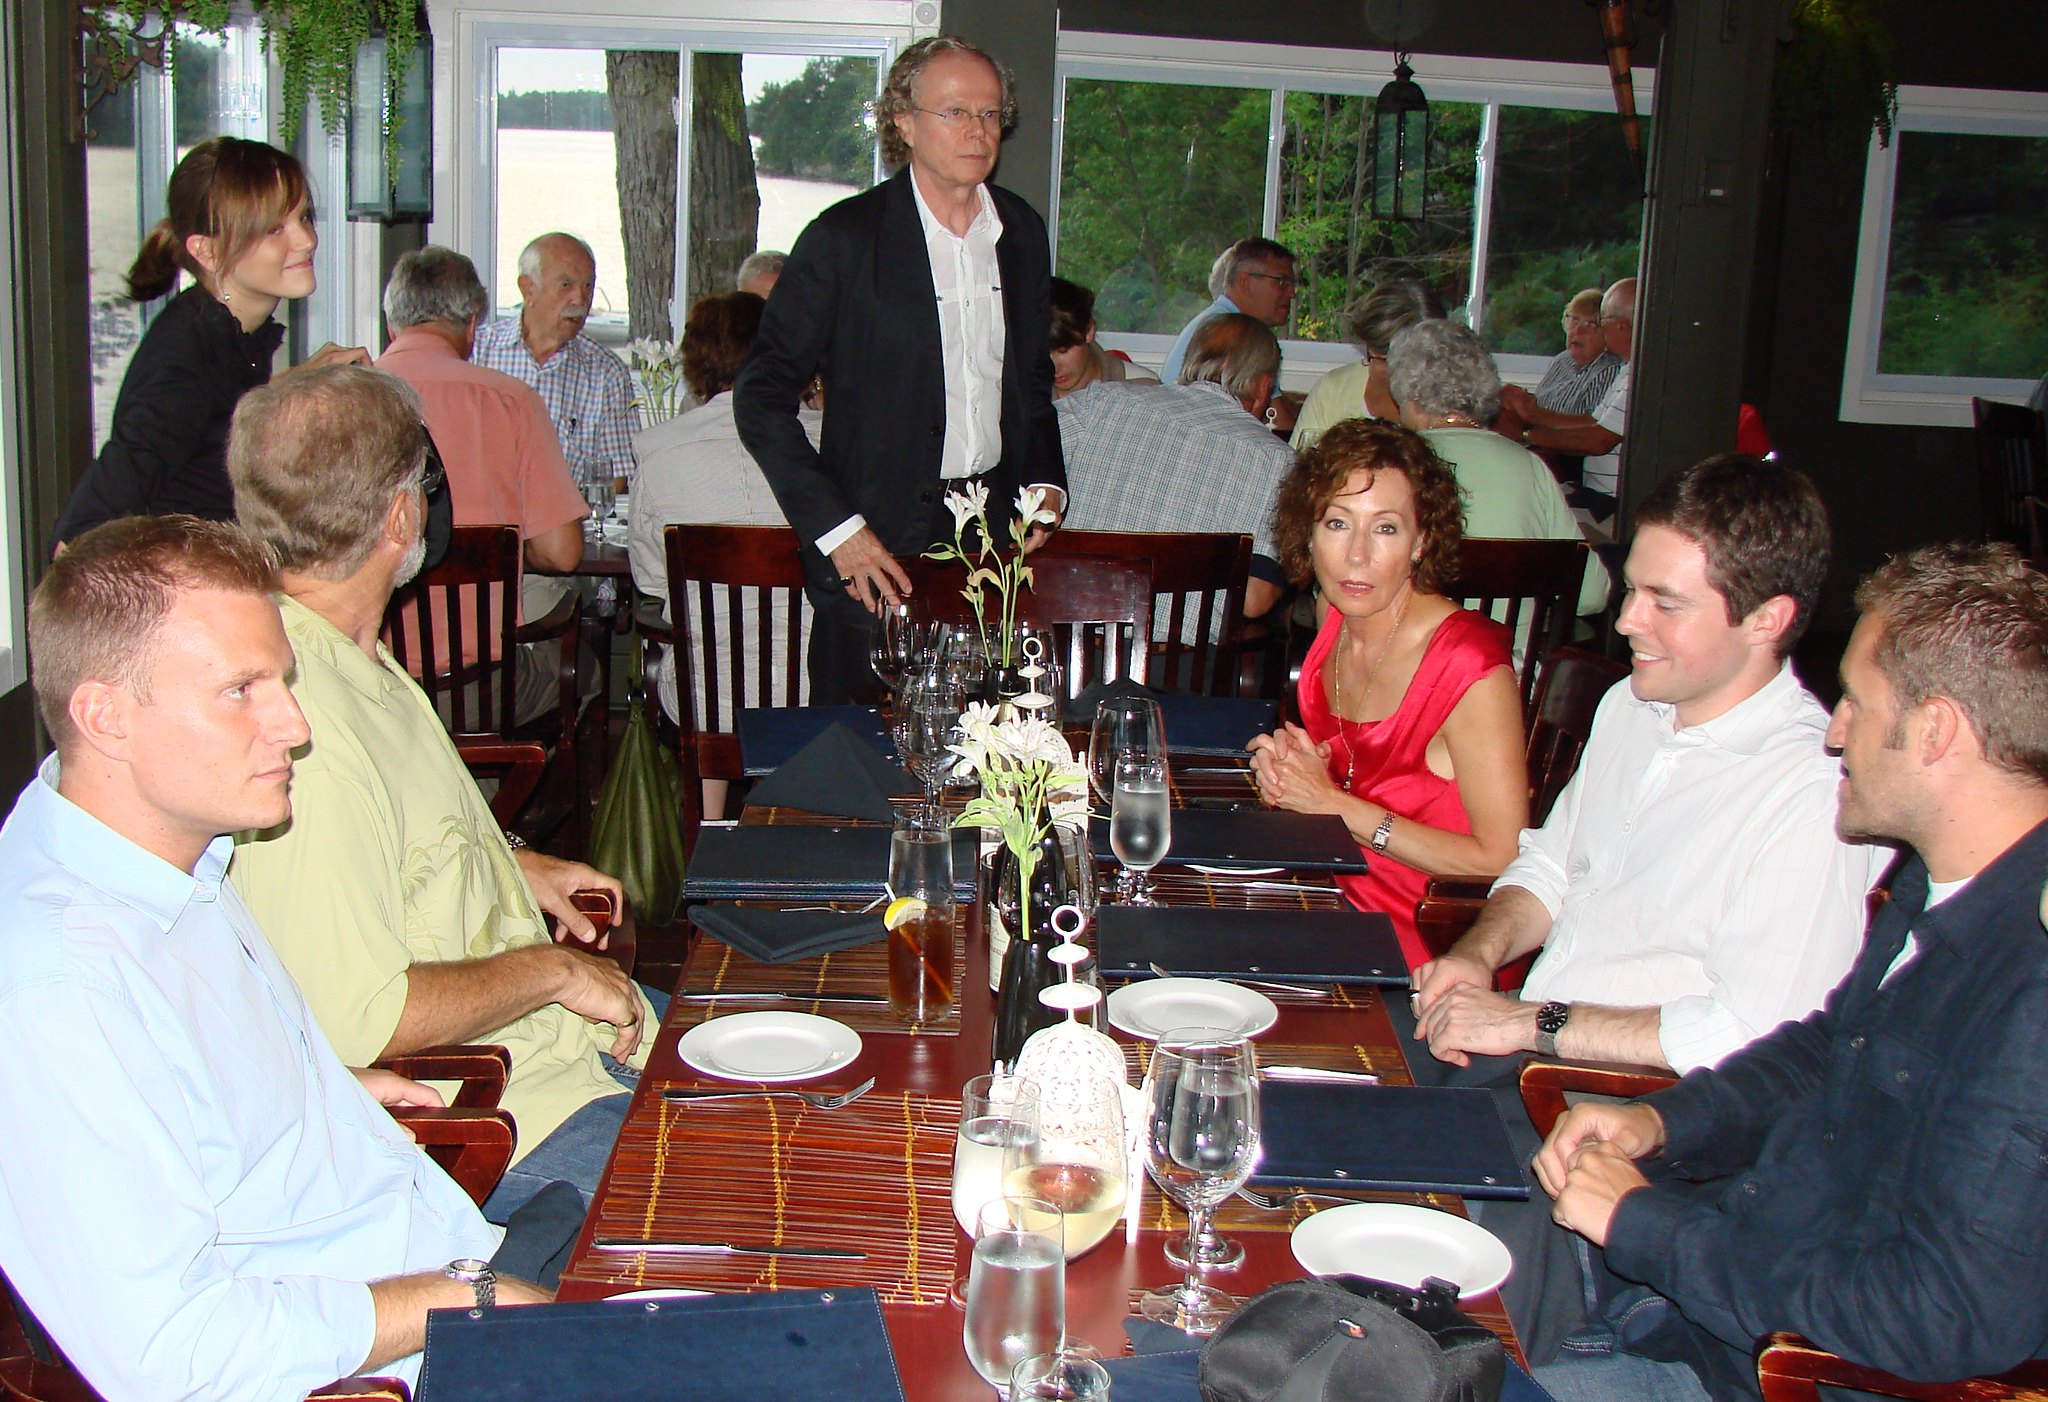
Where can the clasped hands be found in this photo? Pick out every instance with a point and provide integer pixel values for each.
(1292, 771)
(1588, 1163)
(1459, 1015)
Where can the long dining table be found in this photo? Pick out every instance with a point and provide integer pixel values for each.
(875, 1176)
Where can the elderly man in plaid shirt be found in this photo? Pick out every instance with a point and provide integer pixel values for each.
(1196, 456)
(588, 390)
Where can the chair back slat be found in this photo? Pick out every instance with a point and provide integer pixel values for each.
(1574, 680)
(1529, 585)
(2012, 465)
(731, 590)
(1198, 584)
(446, 613)
(1098, 610)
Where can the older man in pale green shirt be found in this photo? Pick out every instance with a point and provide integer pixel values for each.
(392, 895)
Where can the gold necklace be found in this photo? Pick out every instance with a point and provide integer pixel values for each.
(1372, 673)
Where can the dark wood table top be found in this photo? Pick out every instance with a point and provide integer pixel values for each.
(600, 559)
(876, 1175)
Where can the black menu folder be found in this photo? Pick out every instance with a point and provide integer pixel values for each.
(760, 861)
(1253, 838)
(769, 735)
(716, 1348)
(1401, 1139)
(1298, 946)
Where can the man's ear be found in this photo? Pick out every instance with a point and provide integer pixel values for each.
(1261, 396)
(1943, 730)
(404, 519)
(101, 713)
(1772, 620)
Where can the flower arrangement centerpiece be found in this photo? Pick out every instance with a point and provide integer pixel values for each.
(659, 365)
(988, 567)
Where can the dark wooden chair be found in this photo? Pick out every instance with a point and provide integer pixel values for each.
(2037, 531)
(452, 609)
(1573, 682)
(472, 1140)
(1197, 578)
(760, 573)
(1098, 609)
(1531, 586)
(1788, 1368)
(2012, 465)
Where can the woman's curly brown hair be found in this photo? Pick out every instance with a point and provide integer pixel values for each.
(1372, 446)
(716, 338)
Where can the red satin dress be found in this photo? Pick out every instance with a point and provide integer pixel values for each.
(1390, 765)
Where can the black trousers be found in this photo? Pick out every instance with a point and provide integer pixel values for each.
(838, 653)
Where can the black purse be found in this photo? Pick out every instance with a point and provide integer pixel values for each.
(1344, 1338)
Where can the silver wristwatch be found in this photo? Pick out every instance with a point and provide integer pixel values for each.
(1550, 1020)
(478, 1276)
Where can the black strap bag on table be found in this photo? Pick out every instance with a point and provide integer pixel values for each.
(1344, 1338)
(636, 833)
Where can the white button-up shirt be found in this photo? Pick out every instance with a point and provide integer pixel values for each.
(972, 333)
(1697, 870)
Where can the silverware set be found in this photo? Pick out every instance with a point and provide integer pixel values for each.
(1304, 989)
(817, 1100)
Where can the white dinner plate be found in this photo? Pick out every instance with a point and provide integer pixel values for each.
(769, 1046)
(1155, 1007)
(1401, 1244)
(1235, 871)
(666, 1292)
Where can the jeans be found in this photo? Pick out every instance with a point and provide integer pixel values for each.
(1619, 1377)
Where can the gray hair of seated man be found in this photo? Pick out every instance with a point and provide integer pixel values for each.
(1232, 350)
(1241, 255)
(535, 253)
(1444, 369)
(1391, 308)
(433, 286)
(762, 262)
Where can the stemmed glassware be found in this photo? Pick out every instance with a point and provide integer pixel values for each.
(1201, 1144)
(1016, 1286)
(897, 640)
(598, 494)
(1124, 726)
(932, 702)
(1140, 820)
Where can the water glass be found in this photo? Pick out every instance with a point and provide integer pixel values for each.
(896, 641)
(598, 492)
(1016, 1286)
(1201, 1144)
(1140, 824)
(1073, 1374)
(921, 948)
(932, 702)
(1123, 727)
(994, 1112)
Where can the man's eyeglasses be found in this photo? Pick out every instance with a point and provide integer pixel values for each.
(1574, 322)
(1286, 280)
(960, 118)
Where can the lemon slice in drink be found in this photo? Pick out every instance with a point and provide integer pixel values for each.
(901, 912)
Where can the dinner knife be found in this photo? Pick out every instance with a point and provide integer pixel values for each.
(855, 999)
(725, 1248)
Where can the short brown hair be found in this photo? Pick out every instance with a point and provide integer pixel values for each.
(97, 612)
(1970, 623)
(316, 458)
(1073, 313)
(716, 338)
(1762, 527)
(1372, 446)
(909, 66)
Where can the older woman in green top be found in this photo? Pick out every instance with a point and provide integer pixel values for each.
(1359, 390)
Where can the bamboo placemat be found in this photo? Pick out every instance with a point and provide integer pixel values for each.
(859, 972)
(875, 1176)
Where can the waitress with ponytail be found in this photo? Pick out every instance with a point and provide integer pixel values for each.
(240, 221)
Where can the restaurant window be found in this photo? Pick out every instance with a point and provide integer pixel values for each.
(1951, 296)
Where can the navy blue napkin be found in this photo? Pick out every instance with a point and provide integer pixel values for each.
(784, 936)
(837, 772)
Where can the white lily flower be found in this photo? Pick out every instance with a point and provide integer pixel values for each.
(962, 507)
(1031, 507)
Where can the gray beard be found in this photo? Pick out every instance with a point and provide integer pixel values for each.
(410, 565)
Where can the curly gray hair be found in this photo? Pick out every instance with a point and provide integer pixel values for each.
(1442, 367)
(896, 99)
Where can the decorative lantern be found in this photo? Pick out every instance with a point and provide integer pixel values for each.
(1400, 149)
(391, 178)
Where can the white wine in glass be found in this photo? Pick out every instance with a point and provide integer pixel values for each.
(1076, 1159)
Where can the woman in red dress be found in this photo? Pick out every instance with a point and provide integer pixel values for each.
(1411, 725)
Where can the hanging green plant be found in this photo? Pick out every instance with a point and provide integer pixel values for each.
(1835, 74)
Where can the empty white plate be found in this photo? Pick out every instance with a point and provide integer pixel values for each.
(1402, 1244)
(666, 1292)
(769, 1046)
(1155, 1007)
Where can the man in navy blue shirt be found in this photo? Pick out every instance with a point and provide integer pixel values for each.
(1874, 1177)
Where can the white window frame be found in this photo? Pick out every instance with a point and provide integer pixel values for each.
(1493, 83)
(468, 35)
(13, 602)
(1869, 396)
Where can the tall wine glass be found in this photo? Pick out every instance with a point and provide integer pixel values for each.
(1076, 1160)
(1201, 1144)
(931, 710)
(1140, 821)
(897, 637)
(1122, 725)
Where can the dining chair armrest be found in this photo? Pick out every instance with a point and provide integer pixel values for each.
(482, 1068)
(1544, 1084)
(517, 765)
(1448, 908)
(563, 621)
(609, 916)
(362, 1390)
(1789, 1369)
(474, 1147)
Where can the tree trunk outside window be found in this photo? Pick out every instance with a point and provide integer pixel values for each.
(642, 87)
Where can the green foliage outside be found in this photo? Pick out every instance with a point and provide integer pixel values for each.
(1966, 291)
(815, 126)
(556, 111)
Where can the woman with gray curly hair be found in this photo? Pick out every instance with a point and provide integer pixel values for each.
(1449, 392)
(1360, 390)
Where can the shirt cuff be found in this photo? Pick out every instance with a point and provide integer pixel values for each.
(1697, 1031)
(840, 534)
(1645, 1224)
(1057, 496)
(1538, 877)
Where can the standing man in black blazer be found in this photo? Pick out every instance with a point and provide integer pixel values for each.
(923, 305)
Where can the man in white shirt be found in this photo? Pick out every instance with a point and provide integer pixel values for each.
(1689, 891)
(923, 304)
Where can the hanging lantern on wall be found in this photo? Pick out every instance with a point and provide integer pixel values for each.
(1400, 149)
(391, 166)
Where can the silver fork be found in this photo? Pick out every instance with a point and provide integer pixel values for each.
(817, 1100)
(1291, 1196)
(1306, 990)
